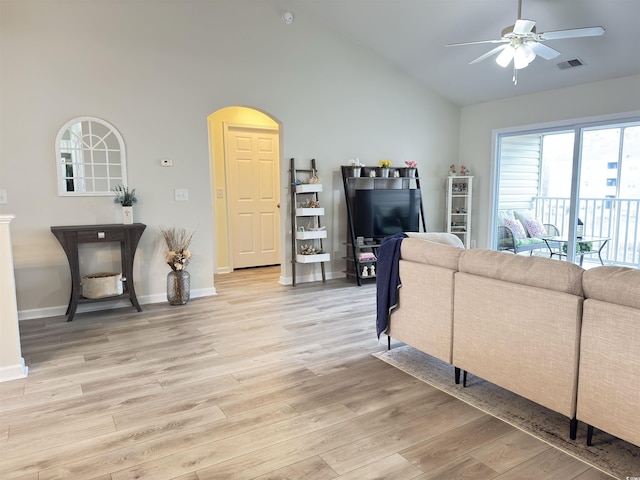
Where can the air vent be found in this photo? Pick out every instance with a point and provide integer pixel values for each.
(576, 62)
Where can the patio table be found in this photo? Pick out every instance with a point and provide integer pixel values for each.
(563, 241)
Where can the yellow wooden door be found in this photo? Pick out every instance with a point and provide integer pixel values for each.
(253, 180)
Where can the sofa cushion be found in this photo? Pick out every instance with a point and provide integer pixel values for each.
(522, 338)
(529, 241)
(424, 317)
(516, 227)
(502, 214)
(609, 373)
(438, 237)
(424, 251)
(524, 216)
(535, 228)
(617, 285)
(532, 271)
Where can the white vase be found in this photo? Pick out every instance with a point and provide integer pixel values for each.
(127, 215)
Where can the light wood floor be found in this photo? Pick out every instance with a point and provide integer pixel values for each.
(261, 381)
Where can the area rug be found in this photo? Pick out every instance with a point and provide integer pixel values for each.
(608, 454)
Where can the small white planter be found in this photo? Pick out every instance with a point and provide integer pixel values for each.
(127, 215)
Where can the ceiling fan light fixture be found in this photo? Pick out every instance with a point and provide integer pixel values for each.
(505, 57)
(523, 56)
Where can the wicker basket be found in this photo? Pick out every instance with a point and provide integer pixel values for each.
(101, 285)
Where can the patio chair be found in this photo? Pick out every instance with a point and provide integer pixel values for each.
(507, 241)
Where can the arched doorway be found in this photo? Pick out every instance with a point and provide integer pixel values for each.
(244, 150)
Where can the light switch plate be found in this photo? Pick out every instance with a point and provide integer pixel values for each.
(181, 194)
(3, 197)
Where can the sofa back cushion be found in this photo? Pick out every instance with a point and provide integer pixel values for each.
(531, 271)
(424, 317)
(431, 253)
(609, 378)
(438, 237)
(618, 285)
(520, 337)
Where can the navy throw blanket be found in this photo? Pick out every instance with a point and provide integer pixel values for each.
(387, 279)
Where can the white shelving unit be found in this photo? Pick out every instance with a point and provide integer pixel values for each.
(459, 207)
(306, 228)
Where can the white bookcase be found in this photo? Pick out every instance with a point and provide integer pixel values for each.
(459, 207)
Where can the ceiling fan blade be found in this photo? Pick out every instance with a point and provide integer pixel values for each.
(489, 53)
(572, 33)
(543, 51)
(522, 27)
(501, 40)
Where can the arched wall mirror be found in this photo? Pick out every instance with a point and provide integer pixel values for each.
(90, 158)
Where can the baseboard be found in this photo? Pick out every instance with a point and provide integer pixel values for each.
(14, 372)
(92, 307)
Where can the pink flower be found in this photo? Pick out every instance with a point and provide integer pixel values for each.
(411, 163)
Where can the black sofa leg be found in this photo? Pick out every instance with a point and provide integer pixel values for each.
(457, 375)
(589, 435)
(573, 428)
(464, 378)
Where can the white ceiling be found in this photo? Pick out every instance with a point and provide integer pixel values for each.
(412, 35)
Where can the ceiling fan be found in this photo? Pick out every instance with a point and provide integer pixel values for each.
(521, 43)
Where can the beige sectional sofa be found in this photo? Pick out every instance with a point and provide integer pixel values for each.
(518, 322)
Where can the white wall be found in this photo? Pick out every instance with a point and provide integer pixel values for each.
(156, 70)
(478, 123)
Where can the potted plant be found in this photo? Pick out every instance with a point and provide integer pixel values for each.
(355, 167)
(384, 167)
(177, 257)
(125, 198)
(410, 170)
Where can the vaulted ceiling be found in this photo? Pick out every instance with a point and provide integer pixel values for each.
(413, 34)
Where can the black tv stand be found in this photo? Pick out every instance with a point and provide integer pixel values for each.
(364, 253)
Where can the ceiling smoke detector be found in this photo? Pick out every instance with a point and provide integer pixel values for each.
(287, 17)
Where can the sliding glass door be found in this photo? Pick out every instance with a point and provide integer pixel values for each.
(582, 180)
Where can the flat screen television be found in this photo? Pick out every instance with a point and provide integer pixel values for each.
(384, 212)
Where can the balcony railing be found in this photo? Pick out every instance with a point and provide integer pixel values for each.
(616, 218)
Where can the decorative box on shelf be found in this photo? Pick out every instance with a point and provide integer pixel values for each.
(366, 257)
(101, 285)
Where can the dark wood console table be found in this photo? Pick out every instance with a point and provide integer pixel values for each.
(127, 235)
